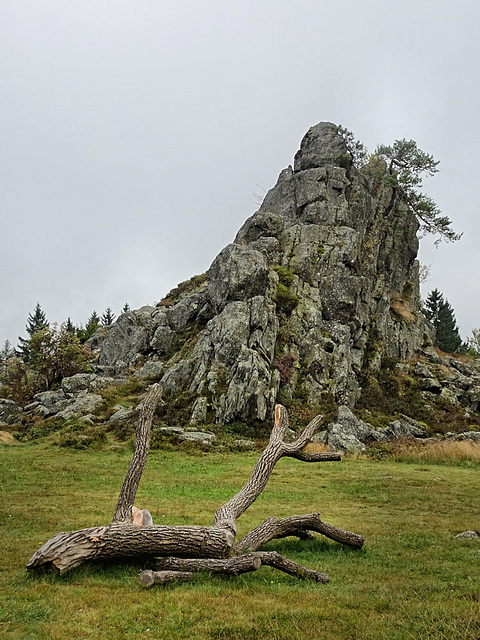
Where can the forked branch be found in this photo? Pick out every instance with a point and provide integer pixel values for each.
(228, 513)
(195, 548)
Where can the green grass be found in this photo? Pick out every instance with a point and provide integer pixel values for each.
(412, 580)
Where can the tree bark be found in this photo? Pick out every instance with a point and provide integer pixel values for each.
(295, 526)
(233, 566)
(148, 577)
(230, 566)
(228, 513)
(118, 541)
(203, 548)
(123, 512)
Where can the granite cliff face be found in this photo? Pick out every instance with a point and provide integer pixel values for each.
(318, 285)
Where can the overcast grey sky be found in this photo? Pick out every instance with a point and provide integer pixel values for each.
(135, 133)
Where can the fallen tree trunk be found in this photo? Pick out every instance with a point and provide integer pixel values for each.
(128, 537)
(123, 541)
(148, 577)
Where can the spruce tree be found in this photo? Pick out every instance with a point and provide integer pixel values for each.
(69, 326)
(36, 321)
(442, 317)
(92, 325)
(108, 317)
(7, 351)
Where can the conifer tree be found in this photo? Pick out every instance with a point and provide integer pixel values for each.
(402, 166)
(92, 325)
(108, 317)
(441, 315)
(69, 326)
(7, 351)
(36, 321)
(406, 165)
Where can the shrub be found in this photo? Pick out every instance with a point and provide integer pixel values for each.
(285, 300)
(196, 283)
(285, 276)
(285, 367)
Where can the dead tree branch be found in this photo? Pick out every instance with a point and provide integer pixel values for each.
(195, 548)
(123, 512)
(228, 513)
(296, 526)
(230, 566)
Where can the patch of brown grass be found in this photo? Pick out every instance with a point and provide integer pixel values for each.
(401, 309)
(441, 452)
(316, 447)
(7, 438)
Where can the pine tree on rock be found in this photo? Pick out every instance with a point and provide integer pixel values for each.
(441, 315)
(36, 322)
(406, 166)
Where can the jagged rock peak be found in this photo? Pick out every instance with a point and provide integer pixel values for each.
(321, 146)
(318, 285)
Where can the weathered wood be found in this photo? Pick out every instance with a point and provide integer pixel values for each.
(147, 578)
(120, 541)
(235, 566)
(203, 548)
(232, 566)
(295, 526)
(315, 456)
(228, 513)
(274, 559)
(123, 511)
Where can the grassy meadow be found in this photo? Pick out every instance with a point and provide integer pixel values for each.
(412, 580)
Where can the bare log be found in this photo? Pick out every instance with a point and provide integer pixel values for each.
(240, 564)
(122, 541)
(147, 578)
(232, 566)
(315, 456)
(274, 559)
(123, 512)
(295, 526)
(127, 539)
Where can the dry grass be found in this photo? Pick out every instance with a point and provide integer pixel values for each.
(401, 308)
(316, 447)
(7, 438)
(440, 452)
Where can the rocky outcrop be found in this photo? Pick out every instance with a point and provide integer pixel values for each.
(318, 285)
(350, 434)
(76, 397)
(449, 379)
(10, 412)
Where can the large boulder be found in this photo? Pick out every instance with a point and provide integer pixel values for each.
(10, 412)
(129, 338)
(82, 405)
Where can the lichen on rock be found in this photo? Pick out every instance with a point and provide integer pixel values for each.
(351, 296)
